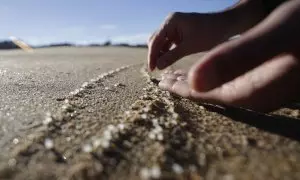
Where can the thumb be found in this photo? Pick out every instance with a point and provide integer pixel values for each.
(274, 36)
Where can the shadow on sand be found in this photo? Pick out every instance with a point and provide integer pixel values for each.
(281, 125)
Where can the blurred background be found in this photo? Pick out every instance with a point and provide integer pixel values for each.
(93, 22)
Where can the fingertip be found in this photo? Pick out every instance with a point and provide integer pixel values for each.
(151, 63)
(201, 77)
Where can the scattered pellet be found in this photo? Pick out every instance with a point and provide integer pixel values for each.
(145, 173)
(177, 168)
(15, 141)
(49, 143)
(87, 148)
(155, 172)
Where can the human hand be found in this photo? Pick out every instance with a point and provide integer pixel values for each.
(259, 71)
(190, 33)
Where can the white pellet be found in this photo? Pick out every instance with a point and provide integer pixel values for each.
(48, 143)
(85, 84)
(47, 120)
(121, 126)
(177, 168)
(87, 148)
(144, 116)
(145, 173)
(160, 137)
(151, 135)
(97, 143)
(105, 144)
(15, 141)
(155, 172)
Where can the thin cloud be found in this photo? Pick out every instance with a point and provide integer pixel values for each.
(108, 27)
(140, 38)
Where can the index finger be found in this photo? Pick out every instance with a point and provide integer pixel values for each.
(156, 43)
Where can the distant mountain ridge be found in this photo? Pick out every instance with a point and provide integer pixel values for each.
(8, 44)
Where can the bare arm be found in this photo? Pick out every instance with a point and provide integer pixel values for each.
(244, 15)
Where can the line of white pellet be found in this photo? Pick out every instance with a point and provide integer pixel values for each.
(68, 107)
(97, 79)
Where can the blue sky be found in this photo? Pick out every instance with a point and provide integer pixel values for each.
(88, 21)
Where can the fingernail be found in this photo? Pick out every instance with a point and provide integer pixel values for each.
(150, 68)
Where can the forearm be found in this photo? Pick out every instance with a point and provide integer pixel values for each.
(244, 15)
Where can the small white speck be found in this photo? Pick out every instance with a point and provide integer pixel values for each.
(127, 112)
(146, 109)
(151, 135)
(155, 121)
(181, 78)
(155, 172)
(144, 116)
(76, 91)
(107, 135)
(118, 69)
(97, 143)
(48, 114)
(228, 177)
(121, 126)
(93, 80)
(117, 84)
(101, 76)
(177, 168)
(174, 122)
(107, 88)
(48, 143)
(67, 107)
(111, 127)
(68, 139)
(105, 144)
(12, 162)
(47, 120)
(158, 128)
(66, 101)
(87, 148)
(160, 137)
(171, 110)
(111, 72)
(85, 84)
(175, 115)
(15, 141)
(145, 173)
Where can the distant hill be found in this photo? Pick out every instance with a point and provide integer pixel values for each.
(8, 45)
(64, 44)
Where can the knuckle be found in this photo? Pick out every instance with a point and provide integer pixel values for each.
(174, 15)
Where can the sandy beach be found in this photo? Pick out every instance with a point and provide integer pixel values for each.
(96, 113)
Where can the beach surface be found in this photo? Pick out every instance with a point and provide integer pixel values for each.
(96, 113)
